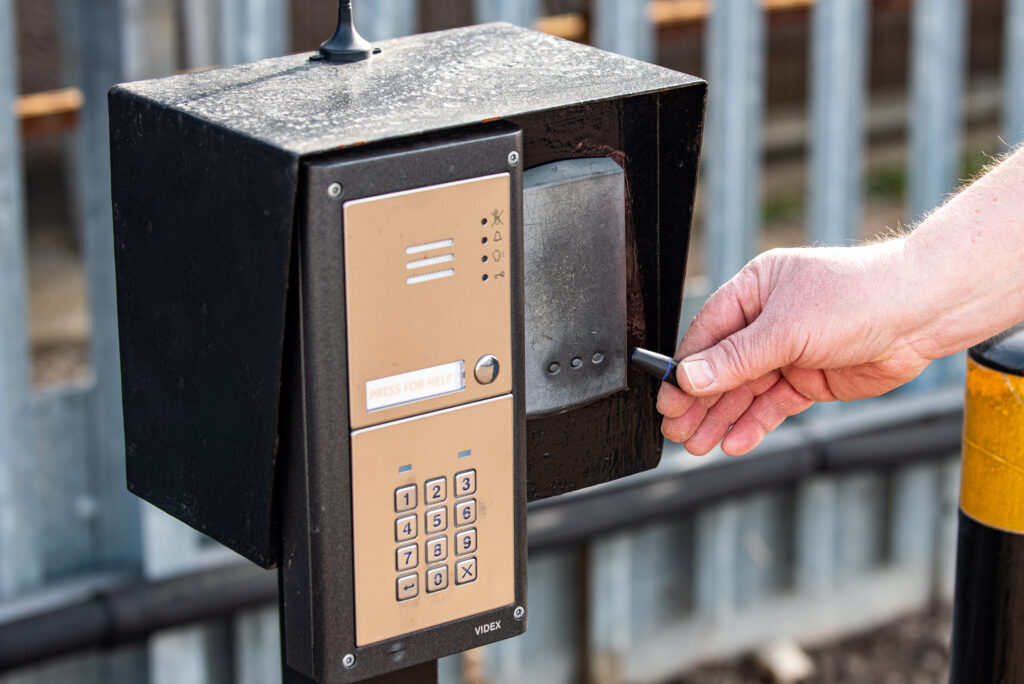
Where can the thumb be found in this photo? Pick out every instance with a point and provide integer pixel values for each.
(741, 357)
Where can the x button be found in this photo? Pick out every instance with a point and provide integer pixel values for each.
(465, 571)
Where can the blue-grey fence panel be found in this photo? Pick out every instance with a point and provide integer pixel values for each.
(19, 562)
(735, 62)
(839, 38)
(248, 30)
(1013, 73)
(624, 26)
(521, 12)
(385, 19)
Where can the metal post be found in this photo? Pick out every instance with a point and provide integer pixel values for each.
(521, 12)
(249, 30)
(385, 19)
(1013, 73)
(19, 561)
(988, 612)
(735, 67)
(938, 39)
(838, 85)
(623, 26)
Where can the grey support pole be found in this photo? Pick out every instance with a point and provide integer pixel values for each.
(1013, 73)
(938, 39)
(521, 12)
(735, 67)
(383, 19)
(838, 85)
(623, 26)
(252, 29)
(19, 562)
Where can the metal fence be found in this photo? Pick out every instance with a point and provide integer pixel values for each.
(810, 545)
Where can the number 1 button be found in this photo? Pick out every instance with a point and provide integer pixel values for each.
(405, 498)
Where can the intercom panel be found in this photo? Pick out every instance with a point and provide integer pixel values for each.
(409, 415)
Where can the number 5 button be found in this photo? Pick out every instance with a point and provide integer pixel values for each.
(435, 520)
(465, 483)
(465, 513)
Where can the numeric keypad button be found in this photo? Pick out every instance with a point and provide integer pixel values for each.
(405, 528)
(437, 578)
(436, 549)
(435, 520)
(465, 513)
(465, 483)
(435, 491)
(465, 542)
(465, 571)
(405, 498)
(406, 558)
(407, 587)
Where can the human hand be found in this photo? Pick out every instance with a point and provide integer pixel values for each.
(795, 326)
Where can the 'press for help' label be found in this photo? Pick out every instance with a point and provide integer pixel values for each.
(417, 385)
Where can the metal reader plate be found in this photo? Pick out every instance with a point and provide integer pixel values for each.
(574, 250)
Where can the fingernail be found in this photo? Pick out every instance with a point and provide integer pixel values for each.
(699, 373)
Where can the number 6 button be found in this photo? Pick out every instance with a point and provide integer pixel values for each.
(465, 513)
(465, 483)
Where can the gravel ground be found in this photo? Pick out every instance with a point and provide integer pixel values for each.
(914, 650)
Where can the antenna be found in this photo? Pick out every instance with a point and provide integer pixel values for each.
(346, 45)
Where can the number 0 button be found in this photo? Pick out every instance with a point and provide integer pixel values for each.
(465, 483)
(437, 578)
(465, 513)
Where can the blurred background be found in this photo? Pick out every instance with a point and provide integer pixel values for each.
(828, 122)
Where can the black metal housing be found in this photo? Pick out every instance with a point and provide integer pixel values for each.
(206, 177)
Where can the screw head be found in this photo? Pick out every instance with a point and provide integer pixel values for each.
(553, 367)
(349, 661)
(519, 612)
(513, 158)
(576, 362)
(334, 190)
(597, 358)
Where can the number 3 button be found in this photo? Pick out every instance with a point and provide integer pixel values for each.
(465, 483)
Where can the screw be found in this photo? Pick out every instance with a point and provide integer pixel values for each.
(519, 612)
(334, 190)
(553, 367)
(577, 362)
(513, 158)
(597, 358)
(349, 661)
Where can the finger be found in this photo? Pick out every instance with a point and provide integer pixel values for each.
(679, 429)
(756, 350)
(672, 401)
(765, 414)
(730, 308)
(718, 420)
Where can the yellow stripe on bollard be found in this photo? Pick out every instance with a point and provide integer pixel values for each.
(992, 489)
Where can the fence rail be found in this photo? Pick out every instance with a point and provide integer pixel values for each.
(839, 541)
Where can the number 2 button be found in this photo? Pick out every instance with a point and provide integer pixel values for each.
(434, 491)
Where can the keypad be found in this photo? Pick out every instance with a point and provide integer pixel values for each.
(433, 513)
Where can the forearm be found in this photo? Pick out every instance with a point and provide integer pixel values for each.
(964, 271)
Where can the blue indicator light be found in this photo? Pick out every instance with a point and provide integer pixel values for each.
(466, 453)
(404, 469)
